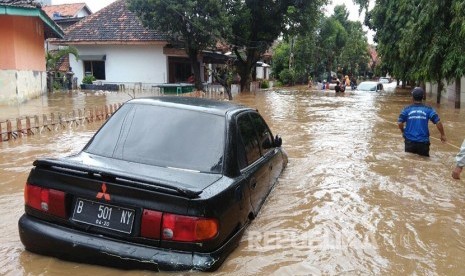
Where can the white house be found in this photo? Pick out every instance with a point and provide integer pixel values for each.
(115, 47)
(263, 70)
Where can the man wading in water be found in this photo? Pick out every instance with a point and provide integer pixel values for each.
(416, 132)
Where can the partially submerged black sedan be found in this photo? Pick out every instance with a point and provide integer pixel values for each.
(167, 183)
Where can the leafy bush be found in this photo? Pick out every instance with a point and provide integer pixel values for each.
(265, 84)
(89, 79)
(277, 84)
(57, 85)
(287, 76)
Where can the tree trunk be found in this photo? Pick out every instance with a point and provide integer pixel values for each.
(244, 74)
(50, 80)
(440, 86)
(196, 69)
(222, 78)
(245, 84)
(457, 92)
(228, 91)
(245, 66)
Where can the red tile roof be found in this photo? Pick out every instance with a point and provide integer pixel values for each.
(62, 65)
(65, 10)
(114, 23)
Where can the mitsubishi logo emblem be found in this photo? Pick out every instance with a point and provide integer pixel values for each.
(103, 193)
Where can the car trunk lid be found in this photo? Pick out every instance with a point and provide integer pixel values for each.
(181, 182)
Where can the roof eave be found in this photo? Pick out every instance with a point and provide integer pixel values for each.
(109, 42)
(54, 29)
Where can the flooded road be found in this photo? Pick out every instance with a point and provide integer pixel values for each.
(349, 202)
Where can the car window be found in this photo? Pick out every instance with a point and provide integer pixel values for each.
(163, 136)
(264, 133)
(249, 140)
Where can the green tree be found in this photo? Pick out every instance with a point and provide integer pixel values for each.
(304, 57)
(302, 65)
(52, 59)
(332, 37)
(425, 39)
(341, 14)
(281, 54)
(334, 41)
(363, 4)
(421, 40)
(354, 55)
(196, 24)
(257, 24)
(389, 19)
(454, 60)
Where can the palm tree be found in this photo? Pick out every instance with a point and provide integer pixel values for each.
(52, 59)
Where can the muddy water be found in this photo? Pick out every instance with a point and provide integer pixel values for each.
(350, 201)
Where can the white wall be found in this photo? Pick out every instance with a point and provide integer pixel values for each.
(126, 63)
(448, 92)
(19, 86)
(82, 13)
(263, 72)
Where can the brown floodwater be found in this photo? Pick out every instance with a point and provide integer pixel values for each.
(351, 201)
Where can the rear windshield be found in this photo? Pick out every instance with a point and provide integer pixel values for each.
(163, 136)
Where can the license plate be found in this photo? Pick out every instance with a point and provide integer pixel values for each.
(103, 215)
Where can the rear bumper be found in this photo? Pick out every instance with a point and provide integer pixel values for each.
(68, 244)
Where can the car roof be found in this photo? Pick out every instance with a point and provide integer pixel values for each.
(191, 103)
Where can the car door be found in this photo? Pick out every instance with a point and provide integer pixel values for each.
(268, 151)
(253, 166)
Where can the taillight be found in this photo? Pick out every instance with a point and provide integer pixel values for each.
(151, 224)
(46, 200)
(166, 226)
(188, 229)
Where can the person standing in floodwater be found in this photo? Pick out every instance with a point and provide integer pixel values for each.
(460, 159)
(338, 87)
(346, 81)
(416, 132)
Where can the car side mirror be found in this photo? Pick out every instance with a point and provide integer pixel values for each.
(278, 141)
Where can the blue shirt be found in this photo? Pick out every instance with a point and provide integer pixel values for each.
(417, 116)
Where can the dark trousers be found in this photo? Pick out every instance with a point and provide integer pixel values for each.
(421, 148)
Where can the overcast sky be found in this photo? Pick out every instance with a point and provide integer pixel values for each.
(96, 5)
